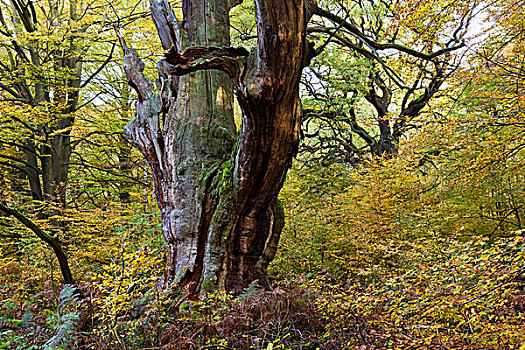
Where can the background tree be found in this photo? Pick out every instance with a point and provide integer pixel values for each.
(486, 124)
(40, 79)
(377, 72)
(47, 58)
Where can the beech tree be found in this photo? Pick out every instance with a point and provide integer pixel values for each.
(378, 73)
(47, 58)
(217, 187)
(40, 80)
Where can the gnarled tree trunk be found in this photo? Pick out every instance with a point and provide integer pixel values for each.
(217, 187)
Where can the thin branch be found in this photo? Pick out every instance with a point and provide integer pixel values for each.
(517, 274)
(19, 168)
(100, 68)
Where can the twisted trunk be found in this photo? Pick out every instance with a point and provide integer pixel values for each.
(217, 187)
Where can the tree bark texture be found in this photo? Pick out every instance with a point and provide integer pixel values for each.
(217, 187)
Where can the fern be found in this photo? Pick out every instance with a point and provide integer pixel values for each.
(251, 290)
(68, 298)
(67, 321)
(26, 320)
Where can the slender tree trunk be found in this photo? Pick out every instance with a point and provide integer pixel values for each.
(217, 187)
(124, 149)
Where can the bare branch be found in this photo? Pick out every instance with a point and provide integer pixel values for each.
(52, 241)
(378, 46)
(100, 68)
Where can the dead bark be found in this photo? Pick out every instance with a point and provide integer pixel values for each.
(217, 187)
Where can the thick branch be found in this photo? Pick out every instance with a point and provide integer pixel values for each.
(134, 69)
(380, 103)
(144, 130)
(26, 13)
(207, 57)
(166, 23)
(416, 105)
(362, 133)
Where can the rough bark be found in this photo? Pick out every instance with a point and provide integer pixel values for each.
(217, 187)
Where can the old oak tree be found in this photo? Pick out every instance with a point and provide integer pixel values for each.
(216, 187)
